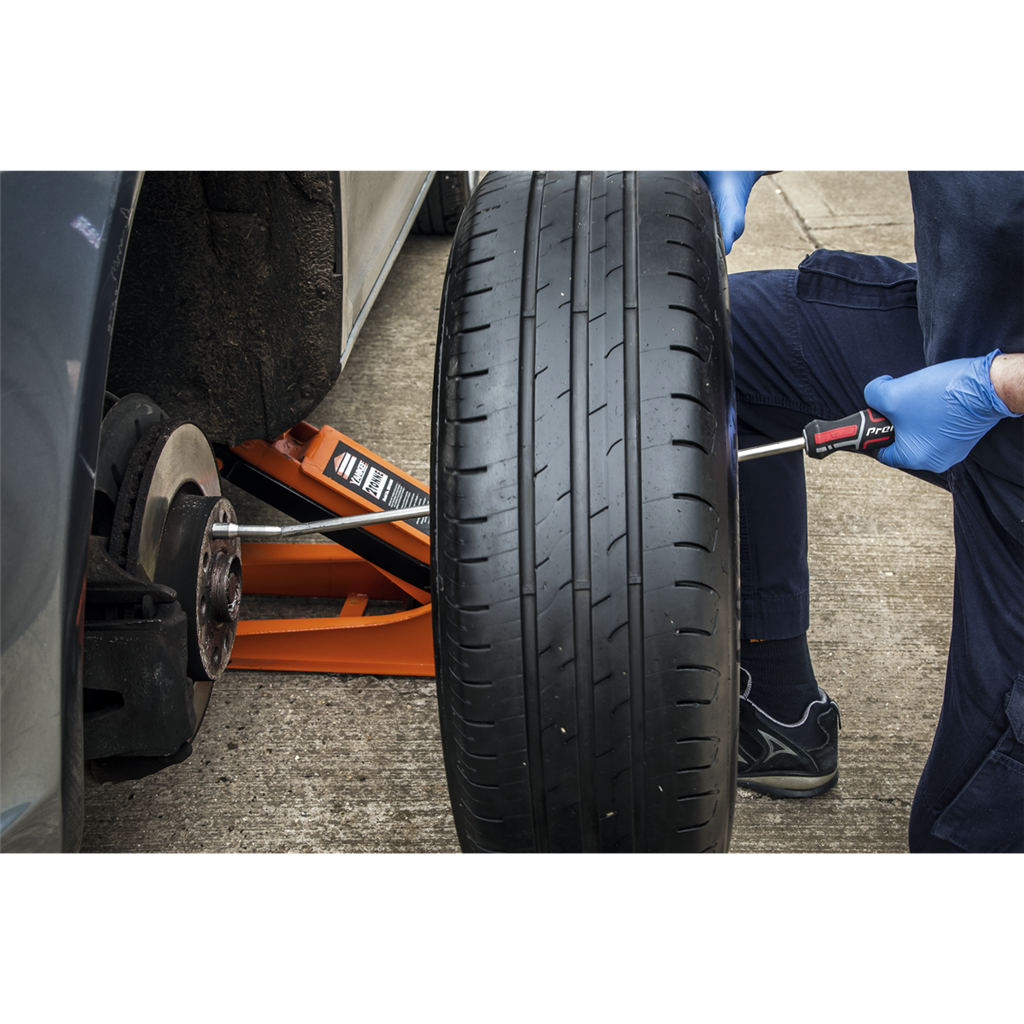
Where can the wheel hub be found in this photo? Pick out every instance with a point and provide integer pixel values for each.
(167, 502)
(206, 572)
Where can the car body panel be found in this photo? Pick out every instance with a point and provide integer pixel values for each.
(378, 210)
(63, 245)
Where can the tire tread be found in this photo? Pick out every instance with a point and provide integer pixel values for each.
(585, 602)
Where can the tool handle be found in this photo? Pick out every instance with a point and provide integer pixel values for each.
(864, 431)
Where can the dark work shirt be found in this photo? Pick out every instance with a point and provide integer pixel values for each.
(969, 237)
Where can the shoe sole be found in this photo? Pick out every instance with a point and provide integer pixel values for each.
(789, 786)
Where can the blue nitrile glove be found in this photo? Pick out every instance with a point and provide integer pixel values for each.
(939, 413)
(730, 191)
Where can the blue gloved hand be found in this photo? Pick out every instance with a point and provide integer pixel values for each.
(730, 191)
(939, 413)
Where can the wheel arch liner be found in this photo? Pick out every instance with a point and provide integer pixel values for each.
(231, 310)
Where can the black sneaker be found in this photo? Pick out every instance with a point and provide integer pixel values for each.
(797, 760)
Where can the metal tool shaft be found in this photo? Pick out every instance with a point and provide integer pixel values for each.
(321, 525)
(795, 444)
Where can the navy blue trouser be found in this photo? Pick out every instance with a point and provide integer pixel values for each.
(805, 343)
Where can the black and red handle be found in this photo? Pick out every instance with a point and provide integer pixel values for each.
(864, 431)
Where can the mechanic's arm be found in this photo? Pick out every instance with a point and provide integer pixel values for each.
(730, 191)
(1007, 375)
(942, 411)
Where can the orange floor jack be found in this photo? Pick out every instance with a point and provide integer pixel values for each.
(315, 475)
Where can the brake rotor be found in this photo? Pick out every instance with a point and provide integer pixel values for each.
(172, 463)
(172, 457)
(122, 429)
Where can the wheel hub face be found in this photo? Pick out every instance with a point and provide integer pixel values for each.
(207, 574)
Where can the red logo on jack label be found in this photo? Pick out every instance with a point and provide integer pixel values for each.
(349, 468)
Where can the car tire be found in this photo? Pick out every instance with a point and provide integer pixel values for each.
(446, 199)
(584, 528)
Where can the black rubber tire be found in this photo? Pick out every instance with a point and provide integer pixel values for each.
(584, 546)
(446, 199)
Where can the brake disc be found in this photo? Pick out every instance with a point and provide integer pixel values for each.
(168, 498)
(122, 429)
(173, 457)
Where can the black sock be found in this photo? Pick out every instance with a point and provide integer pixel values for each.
(781, 675)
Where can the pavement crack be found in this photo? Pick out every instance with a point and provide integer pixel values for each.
(804, 226)
(892, 801)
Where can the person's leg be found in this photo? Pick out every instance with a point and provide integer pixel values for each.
(971, 793)
(805, 343)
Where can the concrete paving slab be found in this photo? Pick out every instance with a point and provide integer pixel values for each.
(794, 212)
(835, 199)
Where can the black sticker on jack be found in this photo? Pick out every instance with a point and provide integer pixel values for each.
(358, 473)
